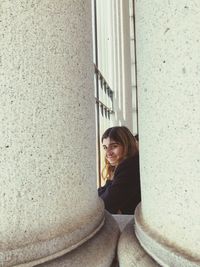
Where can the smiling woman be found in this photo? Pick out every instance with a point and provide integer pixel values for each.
(121, 193)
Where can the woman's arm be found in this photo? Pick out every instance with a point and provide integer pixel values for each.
(102, 189)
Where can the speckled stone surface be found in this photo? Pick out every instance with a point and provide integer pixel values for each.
(47, 151)
(130, 252)
(169, 119)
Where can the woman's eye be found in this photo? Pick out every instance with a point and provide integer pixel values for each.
(113, 146)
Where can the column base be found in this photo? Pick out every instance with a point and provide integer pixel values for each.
(165, 254)
(130, 252)
(99, 251)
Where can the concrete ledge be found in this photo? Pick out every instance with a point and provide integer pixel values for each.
(130, 253)
(166, 254)
(122, 220)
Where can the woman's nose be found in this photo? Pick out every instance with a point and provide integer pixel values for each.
(109, 151)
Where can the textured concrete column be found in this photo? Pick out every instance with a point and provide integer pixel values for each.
(168, 222)
(48, 201)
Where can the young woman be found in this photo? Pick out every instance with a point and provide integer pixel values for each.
(121, 193)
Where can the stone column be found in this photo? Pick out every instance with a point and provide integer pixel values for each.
(48, 203)
(168, 221)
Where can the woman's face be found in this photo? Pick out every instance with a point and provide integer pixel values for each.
(114, 151)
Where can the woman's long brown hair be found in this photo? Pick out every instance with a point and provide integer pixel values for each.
(123, 136)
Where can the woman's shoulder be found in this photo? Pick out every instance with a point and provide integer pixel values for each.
(128, 169)
(129, 162)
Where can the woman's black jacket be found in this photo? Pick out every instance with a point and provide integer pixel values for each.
(122, 194)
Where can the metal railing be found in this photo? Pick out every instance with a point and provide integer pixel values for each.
(104, 110)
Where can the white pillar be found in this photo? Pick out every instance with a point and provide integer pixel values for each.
(49, 204)
(168, 222)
